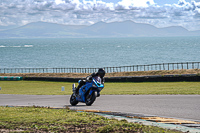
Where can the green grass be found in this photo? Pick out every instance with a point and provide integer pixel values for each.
(33, 119)
(158, 88)
(35, 87)
(54, 88)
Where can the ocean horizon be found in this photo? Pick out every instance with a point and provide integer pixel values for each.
(97, 52)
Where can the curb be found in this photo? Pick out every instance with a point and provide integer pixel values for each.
(10, 78)
(167, 123)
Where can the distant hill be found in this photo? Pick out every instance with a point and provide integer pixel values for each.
(2, 28)
(120, 29)
(42, 29)
(132, 29)
(100, 29)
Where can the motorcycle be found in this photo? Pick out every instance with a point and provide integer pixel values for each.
(87, 93)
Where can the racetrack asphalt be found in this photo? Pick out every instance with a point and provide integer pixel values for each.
(171, 106)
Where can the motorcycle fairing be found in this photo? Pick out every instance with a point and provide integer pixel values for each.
(82, 91)
(89, 86)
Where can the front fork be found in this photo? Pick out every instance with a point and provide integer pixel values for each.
(74, 88)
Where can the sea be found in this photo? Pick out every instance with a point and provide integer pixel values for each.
(97, 52)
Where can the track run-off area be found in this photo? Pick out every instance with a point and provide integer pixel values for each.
(172, 110)
(177, 106)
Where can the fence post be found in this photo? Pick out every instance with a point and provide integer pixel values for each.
(168, 66)
(163, 66)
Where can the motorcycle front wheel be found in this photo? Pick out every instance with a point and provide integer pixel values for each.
(90, 99)
(73, 100)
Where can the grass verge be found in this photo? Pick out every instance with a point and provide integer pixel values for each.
(146, 88)
(115, 74)
(34, 119)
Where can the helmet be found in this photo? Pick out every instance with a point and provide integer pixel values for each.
(101, 72)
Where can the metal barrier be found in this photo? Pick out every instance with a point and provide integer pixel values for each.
(150, 67)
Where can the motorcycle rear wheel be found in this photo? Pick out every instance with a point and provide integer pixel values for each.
(90, 99)
(73, 100)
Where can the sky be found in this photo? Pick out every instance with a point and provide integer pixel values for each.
(160, 13)
(159, 2)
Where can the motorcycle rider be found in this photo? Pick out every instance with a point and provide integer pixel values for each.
(99, 76)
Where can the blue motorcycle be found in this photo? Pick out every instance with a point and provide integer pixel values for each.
(87, 93)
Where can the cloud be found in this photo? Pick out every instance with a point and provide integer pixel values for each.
(85, 12)
(128, 4)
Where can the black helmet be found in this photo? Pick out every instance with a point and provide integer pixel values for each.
(101, 72)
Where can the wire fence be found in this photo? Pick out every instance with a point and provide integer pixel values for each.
(150, 67)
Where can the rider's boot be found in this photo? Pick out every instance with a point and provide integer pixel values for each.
(79, 86)
(77, 89)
